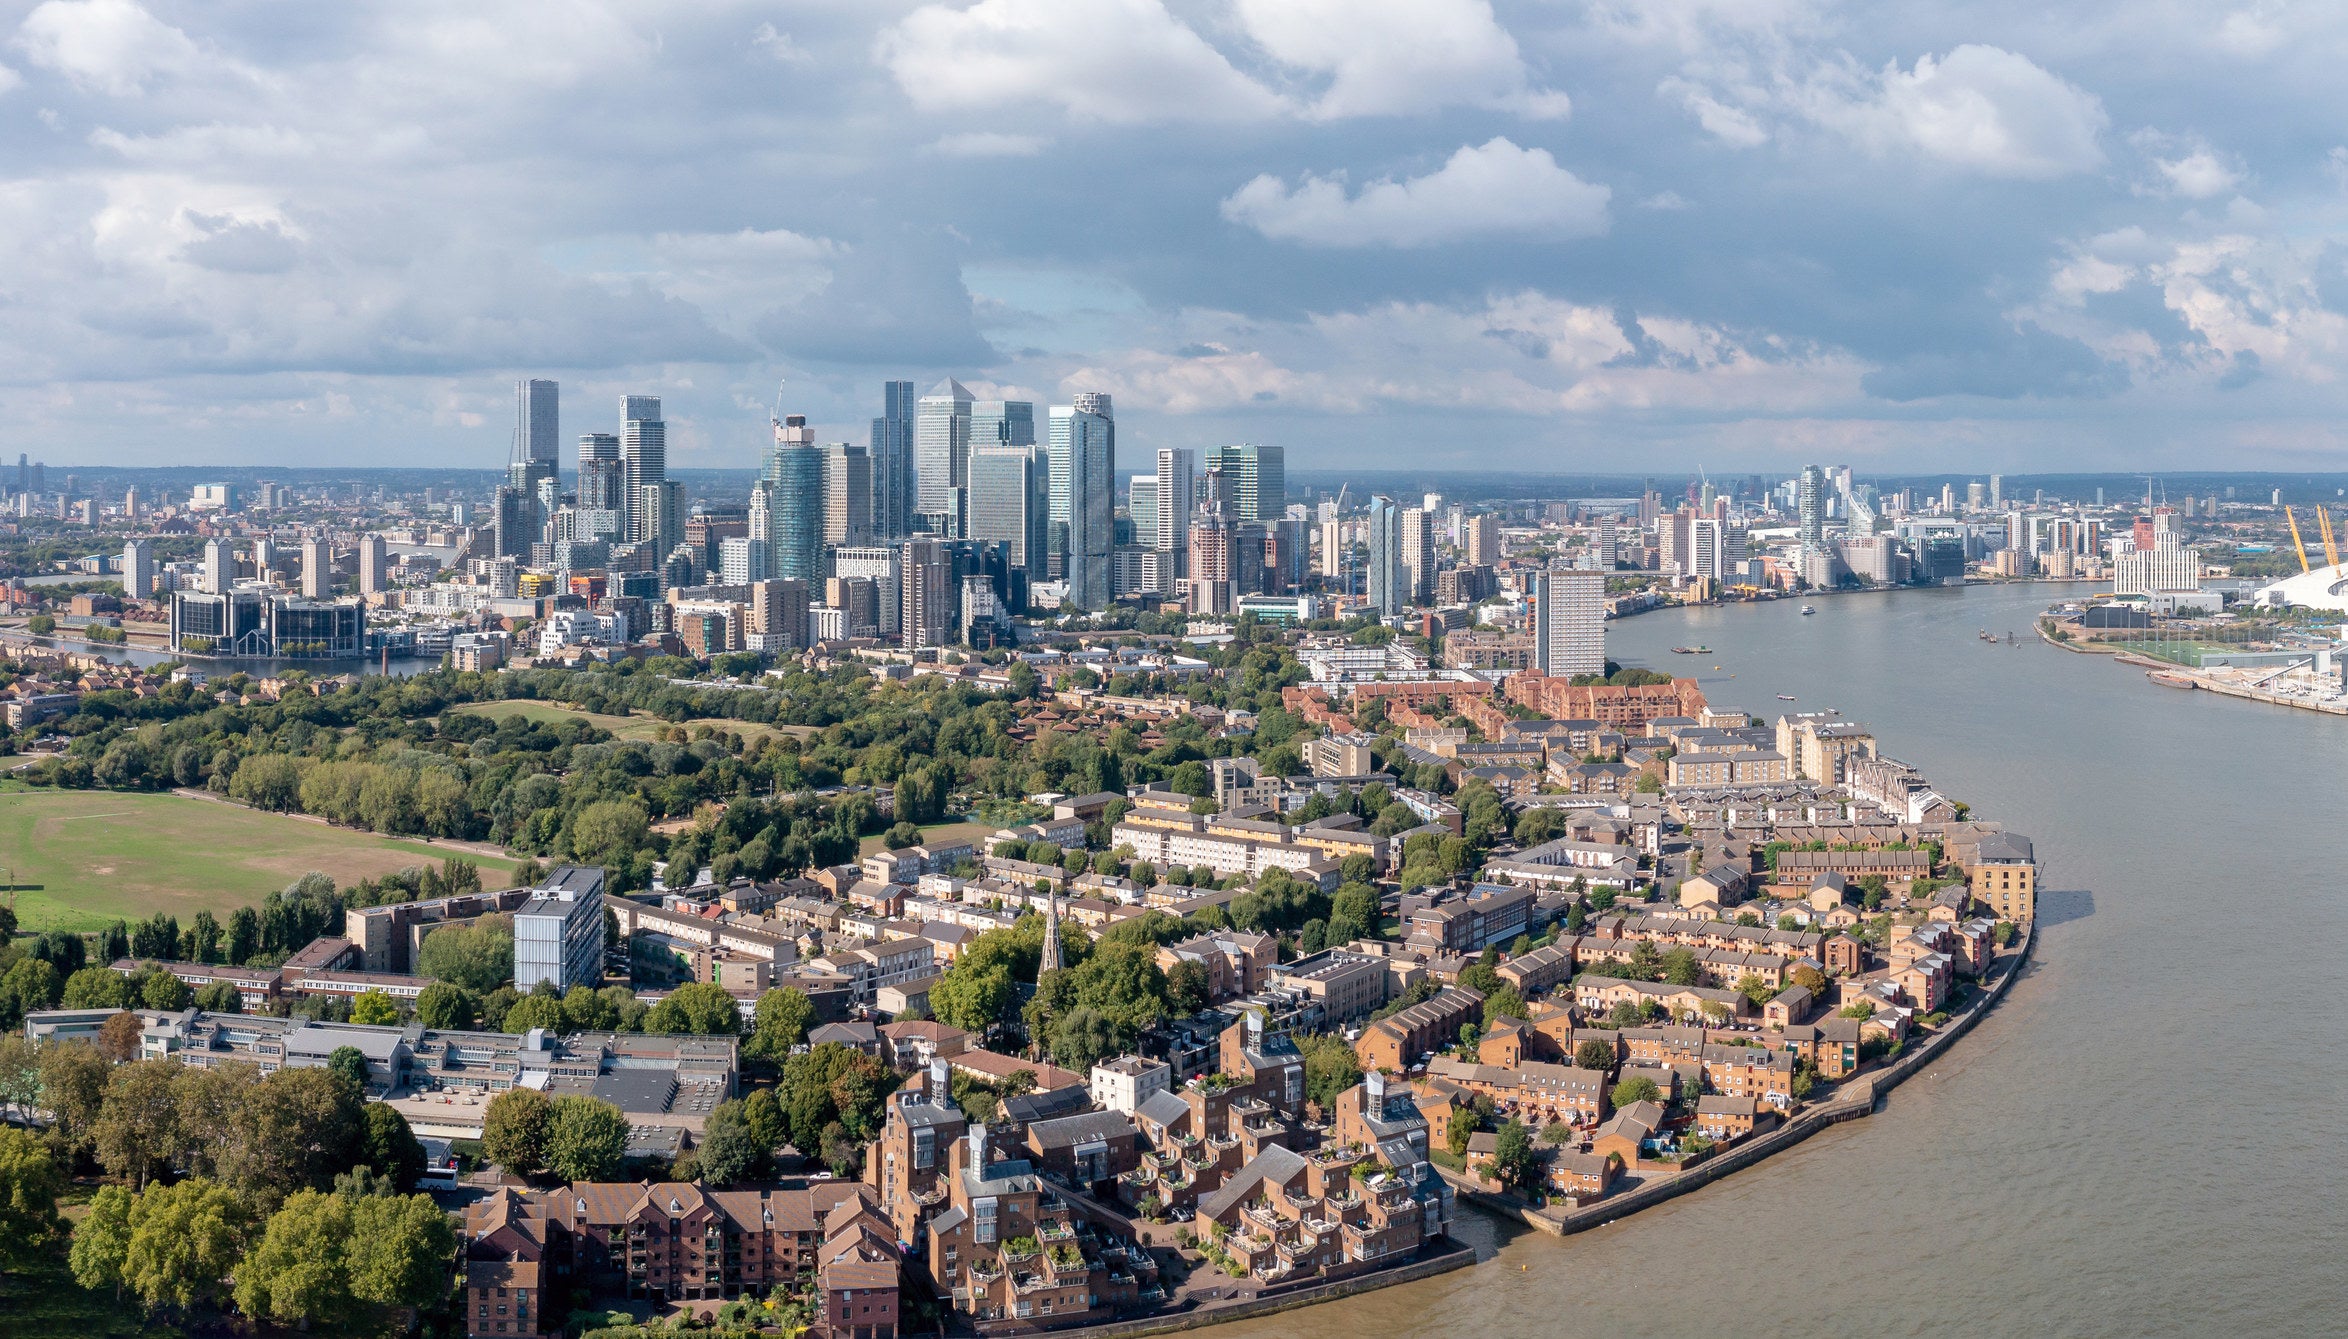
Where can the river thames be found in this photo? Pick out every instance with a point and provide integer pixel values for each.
(2145, 1138)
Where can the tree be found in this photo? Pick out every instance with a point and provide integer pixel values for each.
(479, 956)
(1594, 1054)
(585, 1138)
(731, 1149)
(1188, 988)
(977, 1000)
(1514, 1162)
(1084, 1037)
(901, 835)
(293, 1131)
(1556, 1132)
(399, 1252)
(447, 1006)
(782, 1020)
(102, 1241)
(139, 1134)
(534, 1011)
(703, 1007)
(391, 1148)
(1505, 1002)
(297, 1273)
(374, 1008)
(1329, 1068)
(1680, 967)
(220, 997)
(349, 1064)
(118, 1037)
(73, 1088)
(184, 1240)
(95, 988)
(30, 1182)
(513, 1130)
(1637, 1088)
(30, 984)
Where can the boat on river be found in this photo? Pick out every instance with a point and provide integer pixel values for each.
(1808, 610)
(1691, 650)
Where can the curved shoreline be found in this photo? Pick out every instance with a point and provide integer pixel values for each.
(1863, 1096)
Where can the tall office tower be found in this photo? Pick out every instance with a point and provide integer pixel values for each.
(1482, 540)
(130, 504)
(1333, 547)
(1211, 554)
(537, 441)
(1001, 423)
(1141, 500)
(264, 557)
(659, 515)
(1177, 470)
(1258, 476)
(138, 569)
(1214, 493)
(794, 469)
(1418, 552)
(1707, 553)
(1082, 500)
(1389, 579)
(941, 455)
(847, 494)
(603, 481)
(1810, 506)
(1997, 492)
(219, 566)
(760, 530)
(928, 578)
(1010, 504)
(892, 462)
(1605, 543)
(1097, 402)
(1976, 497)
(374, 565)
(1569, 622)
(882, 565)
(644, 463)
(317, 567)
(510, 532)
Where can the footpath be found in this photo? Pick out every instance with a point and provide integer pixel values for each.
(1854, 1099)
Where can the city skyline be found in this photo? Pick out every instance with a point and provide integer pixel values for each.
(1957, 237)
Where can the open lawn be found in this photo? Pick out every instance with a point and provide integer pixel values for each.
(625, 727)
(81, 858)
(974, 833)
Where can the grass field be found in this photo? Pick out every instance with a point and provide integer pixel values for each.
(82, 858)
(43, 1302)
(974, 833)
(626, 727)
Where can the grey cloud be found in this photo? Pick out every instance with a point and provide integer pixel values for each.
(2032, 362)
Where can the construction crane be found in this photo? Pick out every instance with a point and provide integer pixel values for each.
(2296, 541)
(2323, 522)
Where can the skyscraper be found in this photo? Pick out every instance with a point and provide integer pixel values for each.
(1142, 500)
(644, 463)
(138, 569)
(1389, 579)
(1418, 551)
(317, 568)
(1810, 506)
(1001, 423)
(219, 566)
(1177, 473)
(1097, 402)
(1258, 478)
(374, 564)
(847, 494)
(892, 462)
(1569, 622)
(1082, 501)
(941, 451)
(534, 471)
(928, 576)
(1010, 503)
(1482, 540)
(794, 471)
(603, 481)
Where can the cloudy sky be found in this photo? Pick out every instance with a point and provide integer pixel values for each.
(1597, 235)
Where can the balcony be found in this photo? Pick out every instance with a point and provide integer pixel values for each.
(985, 1270)
(1055, 1231)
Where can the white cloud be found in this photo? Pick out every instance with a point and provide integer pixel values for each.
(1114, 61)
(2185, 166)
(1733, 125)
(1395, 57)
(1981, 108)
(1493, 188)
(9, 79)
(112, 46)
(779, 46)
(989, 144)
(1523, 352)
